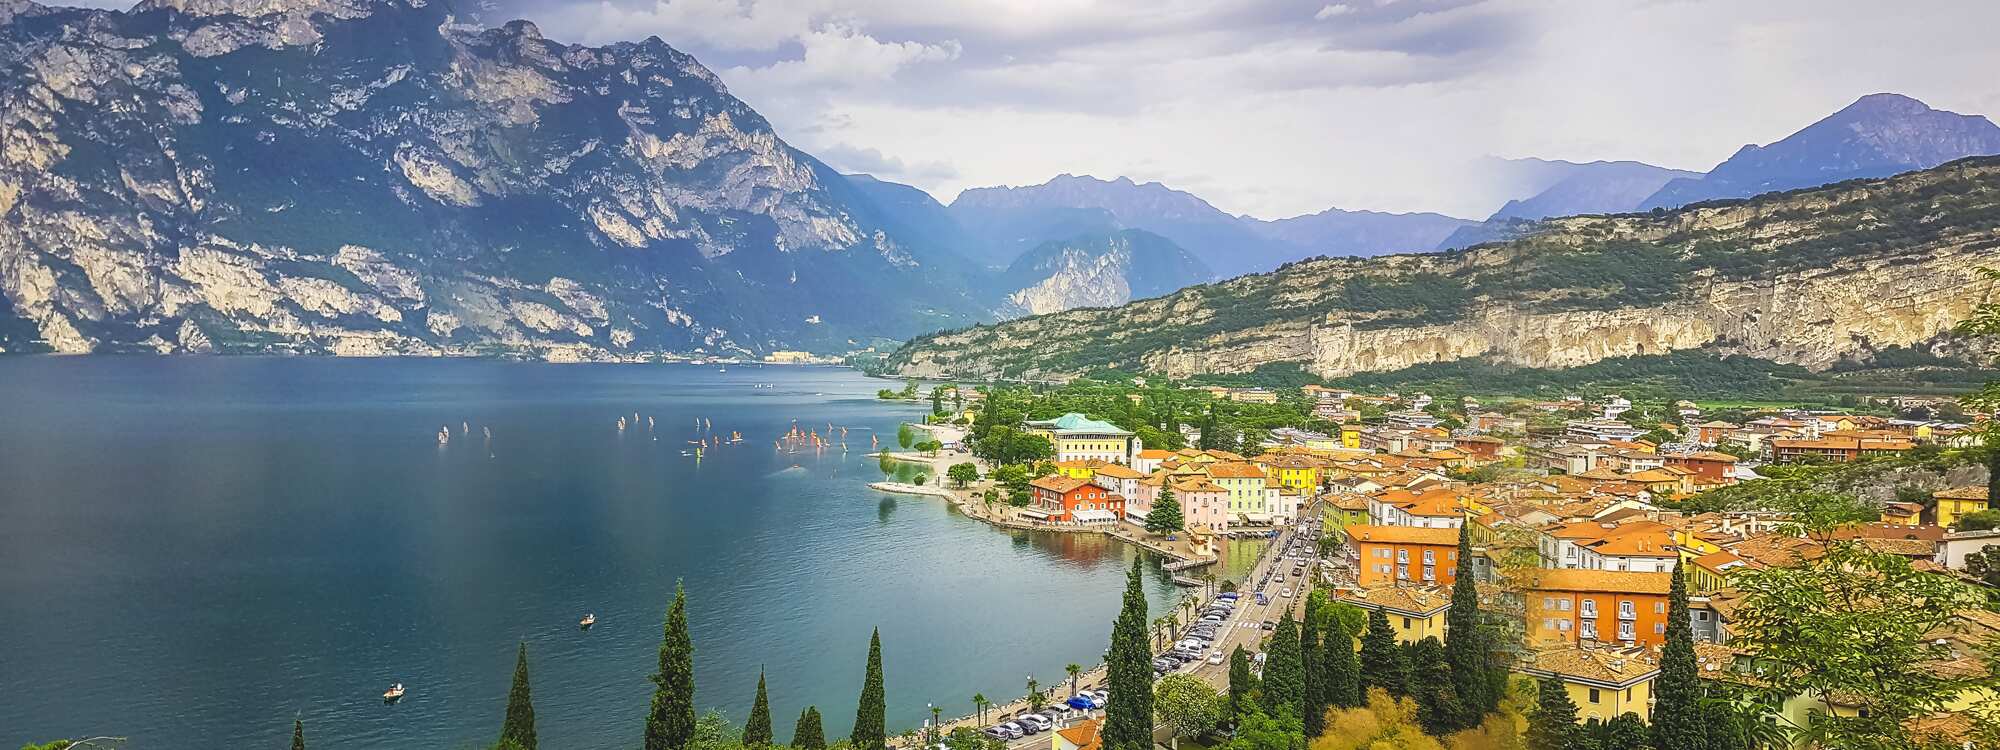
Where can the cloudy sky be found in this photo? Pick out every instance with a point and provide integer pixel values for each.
(1280, 107)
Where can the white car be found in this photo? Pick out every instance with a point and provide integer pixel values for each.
(1286, 592)
(1215, 657)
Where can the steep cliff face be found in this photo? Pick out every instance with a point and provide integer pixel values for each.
(1098, 271)
(1808, 278)
(371, 177)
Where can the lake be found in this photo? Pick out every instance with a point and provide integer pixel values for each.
(195, 550)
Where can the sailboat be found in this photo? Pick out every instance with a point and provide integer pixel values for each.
(444, 434)
(621, 424)
(393, 694)
(587, 621)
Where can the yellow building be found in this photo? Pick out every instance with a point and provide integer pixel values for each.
(1083, 469)
(1414, 612)
(1244, 482)
(1294, 471)
(1602, 682)
(1076, 437)
(1350, 436)
(1958, 501)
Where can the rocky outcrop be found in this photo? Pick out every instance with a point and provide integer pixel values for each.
(371, 177)
(1098, 271)
(1809, 278)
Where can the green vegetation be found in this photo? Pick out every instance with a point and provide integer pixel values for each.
(757, 730)
(870, 714)
(1285, 671)
(1243, 683)
(962, 474)
(1128, 715)
(1383, 665)
(298, 734)
(670, 725)
(809, 734)
(1165, 518)
(1188, 704)
(1678, 719)
(519, 727)
(1474, 675)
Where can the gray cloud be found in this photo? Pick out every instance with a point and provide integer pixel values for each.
(1277, 107)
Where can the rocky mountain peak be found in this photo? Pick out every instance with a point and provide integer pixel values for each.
(344, 9)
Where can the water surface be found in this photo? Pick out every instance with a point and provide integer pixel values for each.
(195, 550)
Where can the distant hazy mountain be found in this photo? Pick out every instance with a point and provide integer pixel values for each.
(1021, 218)
(1598, 187)
(1007, 221)
(914, 216)
(1098, 270)
(1876, 136)
(1335, 232)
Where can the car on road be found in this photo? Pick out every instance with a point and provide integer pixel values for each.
(1268, 625)
(1215, 657)
(1287, 592)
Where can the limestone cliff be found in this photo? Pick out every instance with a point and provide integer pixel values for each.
(374, 177)
(1809, 277)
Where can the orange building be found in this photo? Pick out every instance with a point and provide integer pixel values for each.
(1384, 555)
(1069, 499)
(1713, 466)
(1606, 606)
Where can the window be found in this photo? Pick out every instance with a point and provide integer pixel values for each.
(1659, 608)
(1593, 695)
(1403, 572)
(1548, 602)
(1406, 623)
(1562, 604)
(1626, 610)
(1402, 555)
(1430, 573)
(1659, 627)
(1588, 607)
(1548, 624)
(1562, 625)
(1625, 631)
(1430, 557)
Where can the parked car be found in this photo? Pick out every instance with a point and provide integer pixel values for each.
(1078, 702)
(1102, 695)
(1095, 700)
(1016, 728)
(998, 733)
(1036, 723)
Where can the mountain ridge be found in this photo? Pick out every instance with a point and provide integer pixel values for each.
(1806, 277)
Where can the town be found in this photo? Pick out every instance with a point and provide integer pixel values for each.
(1585, 520)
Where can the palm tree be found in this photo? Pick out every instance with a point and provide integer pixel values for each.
(979, 704)
(1073, 669)
(1034, 695)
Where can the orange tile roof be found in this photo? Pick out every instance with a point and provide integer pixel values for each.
(1235, 470)
(1083, 734)
(1402, 535)
(1059, 483)
(1116, 471)
(1613, 581)
(1968, 492)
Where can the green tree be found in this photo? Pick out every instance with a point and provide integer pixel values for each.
(1339, 667)
(1552, 725)
(1261, 731)
(1312, 694)
(519, 727)
(979, 704)
(670, 724)
(1678, 720)
(757, 730)
(1625, 731)
(809, 734)
(968, 738)
(905, 436)
(1979, 520)
(1382, 663)
(1468, 655)
(1853, 622)
(298, 735)
(1074, 670)
(937, 401)
(1284, 671)
(1128, 715)
(1188, 704)
(1165, 518)
(962, 474)
(1431, 685)
(870, 732)
(1242, 684)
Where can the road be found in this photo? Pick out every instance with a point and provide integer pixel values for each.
(1243, 628)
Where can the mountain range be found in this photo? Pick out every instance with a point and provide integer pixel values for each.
(1814, 277)
(370, 177)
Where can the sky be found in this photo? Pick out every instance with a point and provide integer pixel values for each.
(1276, 108)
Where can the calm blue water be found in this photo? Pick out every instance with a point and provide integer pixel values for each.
(195, 550)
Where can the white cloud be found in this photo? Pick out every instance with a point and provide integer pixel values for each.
(1263, 111)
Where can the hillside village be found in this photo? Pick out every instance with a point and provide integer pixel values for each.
(1578, 512)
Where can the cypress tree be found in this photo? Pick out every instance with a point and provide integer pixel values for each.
(1284, 671)
(1677, 712)
(1341, 668)
(808, 734)
(1242, 683)
(1466, 653)
(757, 731)
(1313, 701)
(1552, 725)
(1431, 686)
(670, 724)
(519, 726)
(298, 734)
(1128, 715)
(1993, 477)
(870, 733)
(1383, 664)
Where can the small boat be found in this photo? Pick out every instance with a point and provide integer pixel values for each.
(393, 694)
(587, 621)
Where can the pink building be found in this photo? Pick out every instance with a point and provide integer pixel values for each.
(1204, 505)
